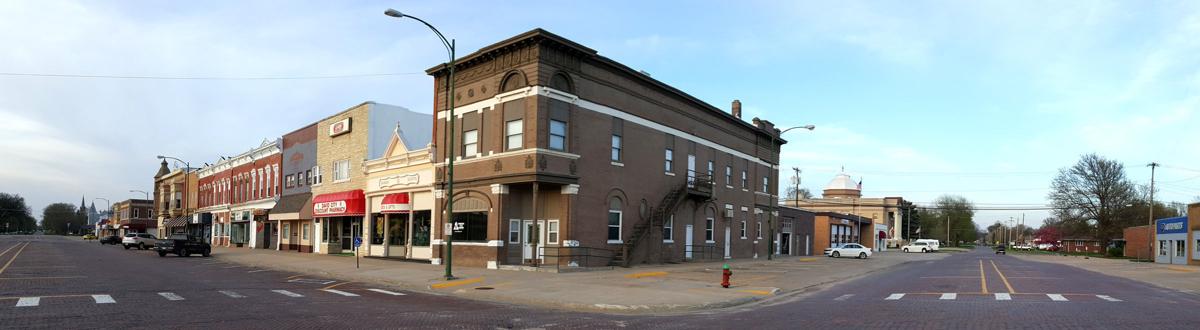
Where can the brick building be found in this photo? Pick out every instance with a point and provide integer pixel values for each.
(134, 216)
(238, 192)
(1137, 242)
(293, 212)
(175, 199)
(562, 152)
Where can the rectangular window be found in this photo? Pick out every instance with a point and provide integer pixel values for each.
(470, 142)
(729, 176)
(514, 231)
(470, 227)
(308, 178)
(710, 172)
(708, 230)
(397, 230)
(616, 148)
(304, 231)
(745, 181)
(341, 170)
(767, 184)
(287, 230)
(137, 213)
(759, 224)
(1180, 249)
(558, 135)
(614, 226)
(317, 178)
(290, 181)
(514, 133)
(325, 231)
(669, 159)
(377, 228)
(743, 230)
(552, 232)
(668, 227)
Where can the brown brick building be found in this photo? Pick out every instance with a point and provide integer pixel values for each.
(562, 152)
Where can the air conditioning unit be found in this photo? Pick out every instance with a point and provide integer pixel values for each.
(729, 213)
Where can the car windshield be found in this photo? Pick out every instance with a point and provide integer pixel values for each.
(130, 235)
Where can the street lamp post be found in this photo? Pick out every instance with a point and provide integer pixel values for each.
(449, 196)
(775, 204)
(141, 191)
(109, 206)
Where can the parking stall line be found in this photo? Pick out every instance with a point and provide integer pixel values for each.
(344, 293)
(895, 296)
(1109, 298)
(28, 301)
(103, 299)
(948, 296)
(170, 296)
(232, 294)
(288, 293)
(386, 292)
(1056, 297)
(843, 297)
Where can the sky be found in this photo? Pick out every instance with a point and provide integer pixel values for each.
(984, 99)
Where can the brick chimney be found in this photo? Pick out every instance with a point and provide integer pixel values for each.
(737, 109)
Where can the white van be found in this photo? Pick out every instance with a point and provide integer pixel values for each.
(933, 243)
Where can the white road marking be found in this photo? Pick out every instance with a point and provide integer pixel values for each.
(170, 296)
(344, 293)
(310, 281)
(387, 292)
(232, 294)
(1107, 297)
(1056, 297)
(288, 293)
(843, 297)
(895, 296)
(949, 296)
(260, 270)
(1003, 296)
(103, 299)
(28, 301)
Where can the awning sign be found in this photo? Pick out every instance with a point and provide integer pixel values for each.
(325, 208)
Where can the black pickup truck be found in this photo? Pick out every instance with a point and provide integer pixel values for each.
(183, 246)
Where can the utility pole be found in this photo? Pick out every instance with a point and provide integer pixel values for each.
(1150, 223)
(796, 187)
(947, 228)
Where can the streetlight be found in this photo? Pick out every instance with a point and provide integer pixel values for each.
(775, 204)
(449, 197)
(141, 191)
(109, 205)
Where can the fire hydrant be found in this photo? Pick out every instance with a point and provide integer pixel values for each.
(725, 274)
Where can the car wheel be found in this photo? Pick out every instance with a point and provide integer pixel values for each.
(162, 253)
(862, 255)
(905, 250)
(127, 246)
(141, 246)
(924, 251)
(185, 253)
(206, 253)
(835, 254)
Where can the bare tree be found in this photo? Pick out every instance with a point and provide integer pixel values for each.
(1095, 188)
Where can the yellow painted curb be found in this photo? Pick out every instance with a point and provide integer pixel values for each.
(444, 285)
(757, 292)
(1181, 269)
(808, 259)
(646, 274)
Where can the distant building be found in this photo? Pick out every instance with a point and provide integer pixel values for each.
(134, 216)
(844, 195)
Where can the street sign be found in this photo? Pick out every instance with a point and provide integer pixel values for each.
(357, 242)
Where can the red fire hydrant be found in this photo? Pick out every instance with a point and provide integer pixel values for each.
(725, 274)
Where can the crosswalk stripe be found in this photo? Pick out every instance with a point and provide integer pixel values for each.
(1056, 297)
(170, 296)
(344, 293)
(387, 292)
(28, 301)
(232, 294)
(288, 293)
(1003, 296)
(1107, 297)
(949, 296)
(103, 299)
(895, 296)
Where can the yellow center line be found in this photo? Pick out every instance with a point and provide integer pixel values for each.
(335, 285)
(9, 249)
(982, 278)
(1002, 278)
(14, 257)
(293, 276)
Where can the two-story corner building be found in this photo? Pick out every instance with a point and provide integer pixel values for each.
(345, 141)
(175, 200)
(134, 216)
(399, 195)
(292, 215)
(843, 195)
(562, 156)
(239, 192)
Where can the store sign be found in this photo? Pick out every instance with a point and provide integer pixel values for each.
(336, 207)
(1172, 226)
(340, 127)
(399, 180)
(395, 207)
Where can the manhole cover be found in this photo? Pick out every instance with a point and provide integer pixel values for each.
(484, 288)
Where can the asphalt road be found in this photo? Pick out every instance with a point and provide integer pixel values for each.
(62, 283)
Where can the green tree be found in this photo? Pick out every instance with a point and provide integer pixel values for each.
(949, 210)
(1093, 193)
(15, 214)
(61, 219)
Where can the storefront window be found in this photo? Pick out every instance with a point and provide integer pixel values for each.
(1180, 249)
(377, 228)
(470, 227)
(1162, 248)
(325, 231)
(421, 226)
(397, 228)
(304, 231)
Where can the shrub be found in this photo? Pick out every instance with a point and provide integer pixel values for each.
(1115, 252)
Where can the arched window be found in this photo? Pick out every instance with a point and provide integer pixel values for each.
(615, 215)
(561, 82)
(513, 81)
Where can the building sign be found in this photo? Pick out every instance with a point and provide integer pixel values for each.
(1172, 225)
(334, 207)
(340, 127)
(399, 180)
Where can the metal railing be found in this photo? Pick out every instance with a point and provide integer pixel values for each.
(704, 252)
(567, 257)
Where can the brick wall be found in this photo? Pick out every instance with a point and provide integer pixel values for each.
(1136, 244)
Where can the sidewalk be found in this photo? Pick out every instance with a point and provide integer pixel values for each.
(1176, 277)
(644, 289)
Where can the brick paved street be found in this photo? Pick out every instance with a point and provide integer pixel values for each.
(56, 282)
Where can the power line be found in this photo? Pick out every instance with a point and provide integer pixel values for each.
(145, 77)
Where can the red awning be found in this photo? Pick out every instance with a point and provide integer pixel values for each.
(882, 235)
(396, 203)
(339, 204)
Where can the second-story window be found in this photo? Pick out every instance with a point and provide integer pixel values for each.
(767, 184)
(729, 176)
(470, 140)
(616, 148)
(317, 178)
(668, 164)
(558, 135)
(745, 181)
(341, 170)
(514, 134)
(290, 181)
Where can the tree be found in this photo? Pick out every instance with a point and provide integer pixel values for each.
(15, 214)
(61, 219)
(1093, 192)
(955, 211)
(791, 194)
(1048, 234)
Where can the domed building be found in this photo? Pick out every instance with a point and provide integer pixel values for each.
(844, 195)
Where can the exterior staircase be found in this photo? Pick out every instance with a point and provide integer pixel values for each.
(694, 186)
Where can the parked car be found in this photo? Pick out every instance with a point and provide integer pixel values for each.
(88, 237)
(916, 247)
(849, 249)
(1000, 250)
(932, 243)
(141, 241)
(183, 246)
(110, 239)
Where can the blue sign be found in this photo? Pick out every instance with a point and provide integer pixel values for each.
(1176, 225)
(357, 242)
